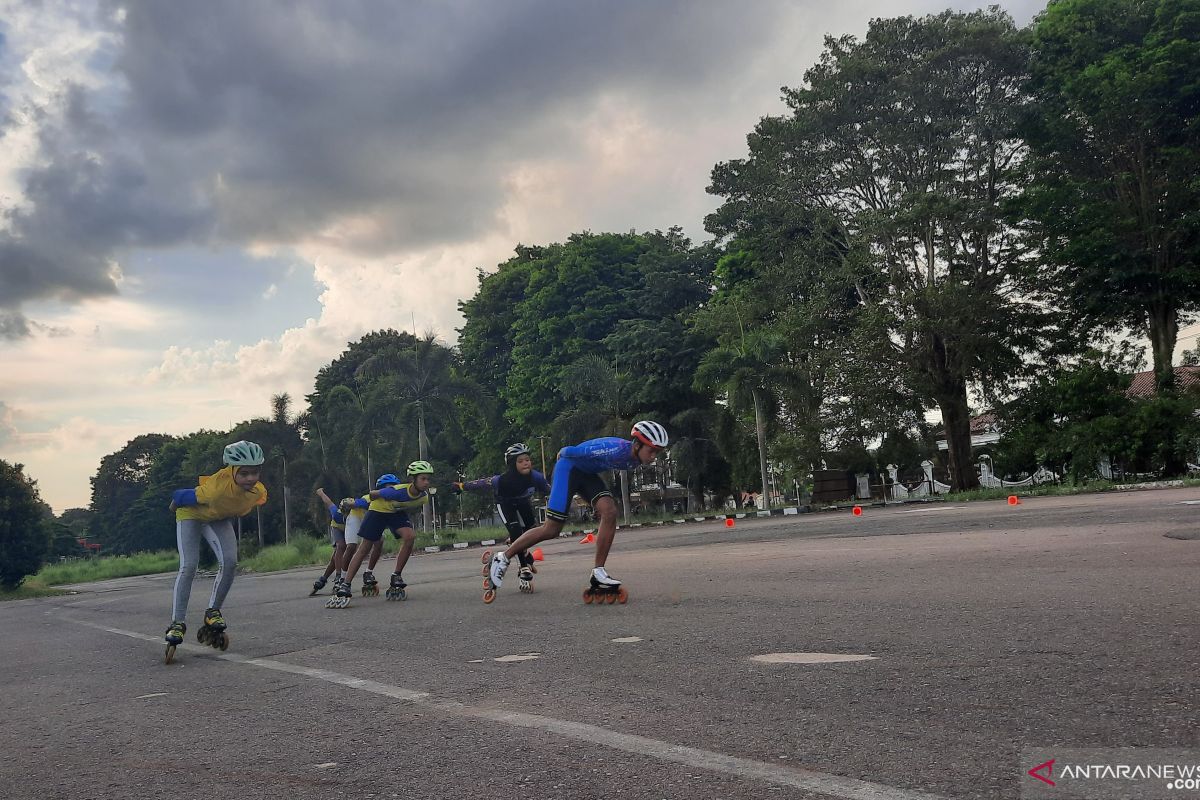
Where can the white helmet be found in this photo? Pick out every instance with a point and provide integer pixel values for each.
(650, 433)
(243, 454)
(514, 452)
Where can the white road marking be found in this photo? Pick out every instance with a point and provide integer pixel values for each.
(152, 694)
(930, 510)
(809, 658)
(522, 657)
(628, 639)
(326, 765)
(773, 774)
(1189, 503)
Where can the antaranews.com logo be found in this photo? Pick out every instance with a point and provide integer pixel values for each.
(1120, 773)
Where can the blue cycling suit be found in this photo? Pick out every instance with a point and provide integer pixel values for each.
(577, 472)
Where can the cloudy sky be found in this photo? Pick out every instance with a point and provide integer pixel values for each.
(204, 201)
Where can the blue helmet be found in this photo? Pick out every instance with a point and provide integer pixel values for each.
(386, 480)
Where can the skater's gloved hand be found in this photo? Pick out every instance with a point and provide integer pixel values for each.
(456, 487)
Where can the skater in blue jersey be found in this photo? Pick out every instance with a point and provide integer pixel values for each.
(577, 472)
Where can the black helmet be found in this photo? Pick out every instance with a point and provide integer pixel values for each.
(514, 452)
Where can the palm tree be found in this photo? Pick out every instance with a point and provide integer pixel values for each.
(744, 372)
(409, 384)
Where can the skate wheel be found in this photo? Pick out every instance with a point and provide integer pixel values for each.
(489, 595)
(587, 596)
(487, 556)
(487, 582)
(402, 595)
(202, 636)
(622, 595)
(170, 654)
(224, 643)
(610, 598)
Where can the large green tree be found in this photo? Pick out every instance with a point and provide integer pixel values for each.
(342, 425)
(549, 307)
(1114, 135)
(899, 157)
(120, 481)
(24, 536)
(578, 337)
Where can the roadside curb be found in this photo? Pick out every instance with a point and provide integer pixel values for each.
(787, 511)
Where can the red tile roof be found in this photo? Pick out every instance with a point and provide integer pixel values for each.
(1143, 382)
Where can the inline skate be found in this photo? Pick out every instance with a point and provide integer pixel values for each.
(494, 568)
(604, 589)
(395, 590)
(370, 587)
(318, 585)
(525, 578)
(212, 632)
(341, 596)
(174, 637)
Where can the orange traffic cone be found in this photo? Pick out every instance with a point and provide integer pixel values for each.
(729, 523)
(588, 539)
(538, 555)
(858, 511)
(1013, 500)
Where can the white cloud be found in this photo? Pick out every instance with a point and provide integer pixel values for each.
(395, 212)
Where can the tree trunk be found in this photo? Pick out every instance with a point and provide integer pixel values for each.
(949, 390)
(427, 511)
(760, 427)
(1164, 332)
(1163, 320)
(956, 417)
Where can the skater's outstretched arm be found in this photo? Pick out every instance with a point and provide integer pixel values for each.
(479, 485)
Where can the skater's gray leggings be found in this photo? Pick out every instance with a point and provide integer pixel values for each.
(223, 541)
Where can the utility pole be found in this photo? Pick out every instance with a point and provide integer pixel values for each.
(287, 519)
(542, 442)
(427, 513)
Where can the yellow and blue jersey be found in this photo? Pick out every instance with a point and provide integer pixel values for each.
(217, 497)
(401, 497)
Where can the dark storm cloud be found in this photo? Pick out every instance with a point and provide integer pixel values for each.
(236, 121)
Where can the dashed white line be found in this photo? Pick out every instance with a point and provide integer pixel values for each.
(809, 780)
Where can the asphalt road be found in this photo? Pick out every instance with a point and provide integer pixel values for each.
(990, 628)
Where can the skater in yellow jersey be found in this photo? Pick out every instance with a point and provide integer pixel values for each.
(337, 537)
(388, 508)
(207, 512)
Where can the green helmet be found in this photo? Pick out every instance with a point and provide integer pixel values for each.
(243, 454)
(420, 468)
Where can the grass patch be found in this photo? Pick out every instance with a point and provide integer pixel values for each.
(28, 589)
(84, 570)
(301, 551)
